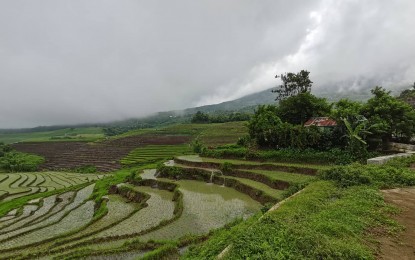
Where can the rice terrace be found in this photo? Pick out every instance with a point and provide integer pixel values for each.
(198, 130)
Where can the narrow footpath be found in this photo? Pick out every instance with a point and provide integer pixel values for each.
(402, 246)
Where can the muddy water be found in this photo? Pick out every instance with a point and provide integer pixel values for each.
(205, 207)
(160, 207)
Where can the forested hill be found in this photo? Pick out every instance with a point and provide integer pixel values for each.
(243, 103)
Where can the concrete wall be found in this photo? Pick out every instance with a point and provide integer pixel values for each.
(401, 147)
(383, 159)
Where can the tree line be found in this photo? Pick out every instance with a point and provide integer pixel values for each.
(361, 126)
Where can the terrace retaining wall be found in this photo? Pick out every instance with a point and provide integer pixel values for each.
(399, 147)
(383, 159)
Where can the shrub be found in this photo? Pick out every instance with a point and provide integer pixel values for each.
(357, 174)
(86, 169)
(16, 161)
(401, 162)
(197, 146)
(333, 156)
(226, 167)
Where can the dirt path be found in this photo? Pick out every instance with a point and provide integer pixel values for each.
(401, 247)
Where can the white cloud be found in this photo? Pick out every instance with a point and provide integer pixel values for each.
(99, 60)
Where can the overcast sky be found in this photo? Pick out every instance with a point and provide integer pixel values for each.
(77, 61)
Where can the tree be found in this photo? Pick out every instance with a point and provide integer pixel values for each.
(264, 126)
(200, 117)
(293, 84)
(355, 135)
(298, 109)
(407, 93)
(390, 116)
(345, 108)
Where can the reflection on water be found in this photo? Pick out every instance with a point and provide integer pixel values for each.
(206, 207)
(160, 207)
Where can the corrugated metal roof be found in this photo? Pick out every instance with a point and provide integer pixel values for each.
(321, 122)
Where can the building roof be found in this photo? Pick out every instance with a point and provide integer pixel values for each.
(321, 122)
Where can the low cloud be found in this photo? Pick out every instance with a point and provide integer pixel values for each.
(65, 62)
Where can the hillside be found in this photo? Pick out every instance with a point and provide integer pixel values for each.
(244, 104)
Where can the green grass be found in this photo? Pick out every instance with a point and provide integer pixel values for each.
(87, 134)
(210, 134)
(284, 176)
(19, 202)
(247, 162)
(277, 194)
(322, 222)
(151, 153)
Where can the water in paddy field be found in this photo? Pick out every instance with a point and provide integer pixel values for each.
(205, 207)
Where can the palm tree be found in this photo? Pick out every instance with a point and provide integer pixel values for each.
(355, 135)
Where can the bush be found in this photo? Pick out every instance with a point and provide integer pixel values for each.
(401, 162)
(333, 156)
(226, 167)
(20, 162)
(197, 146)
(357, 174)
(86, 169)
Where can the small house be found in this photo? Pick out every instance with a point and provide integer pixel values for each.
(324, 123)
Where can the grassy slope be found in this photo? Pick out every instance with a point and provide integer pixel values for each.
(77, 134)
(154, 152)
(234, 161)
(210, 134)
(322, 222)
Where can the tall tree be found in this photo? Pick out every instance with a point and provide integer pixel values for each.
(392, 117)
(299, 108)
(293, 84)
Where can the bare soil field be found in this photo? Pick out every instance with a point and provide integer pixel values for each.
(105, 156)
(401, 246)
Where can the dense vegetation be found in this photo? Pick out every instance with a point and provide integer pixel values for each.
(13, 161)
(204, 118)
(361, 127)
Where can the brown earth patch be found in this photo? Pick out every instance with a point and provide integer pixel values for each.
(105, 156)
(401, 246)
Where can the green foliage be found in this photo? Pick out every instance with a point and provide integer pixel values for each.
(102, 186)
(357, 174)
(407, 93)
(299, 108)
(86, 169)
(346, 109)
(4, 148)
(391, 116)
(20, 162)
(219, 117)
(167, 251)
(268, 130)
(197, 145)
(200, 118)
(226, 167)
(401, 162)
(264, 125)
(332, 156)
(172, 172)
(152, 153)
(293, 84)
(294, 188)
(355, 136)
(51, 134)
